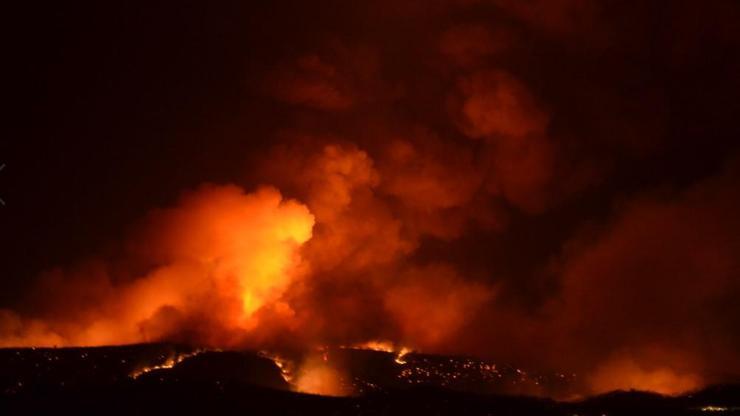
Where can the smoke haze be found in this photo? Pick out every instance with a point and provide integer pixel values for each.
(550, 183)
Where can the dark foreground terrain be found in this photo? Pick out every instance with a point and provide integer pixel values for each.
(170, 379)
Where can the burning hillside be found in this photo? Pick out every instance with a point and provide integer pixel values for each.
(154, 377)
(335, 372)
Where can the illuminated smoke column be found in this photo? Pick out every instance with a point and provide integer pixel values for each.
(216, 262)
(402, 155)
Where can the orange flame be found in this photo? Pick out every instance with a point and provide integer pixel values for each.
(170, 362)
(384, 346)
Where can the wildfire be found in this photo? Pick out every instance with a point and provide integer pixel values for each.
(170, 362)
(285, 365)
(317, 375)
(314, 375)
(401, 353)
(384, 346)
(713, 409)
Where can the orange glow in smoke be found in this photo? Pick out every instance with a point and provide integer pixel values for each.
(317, 376)
(626, 374)
(229, 269)
(223, 258)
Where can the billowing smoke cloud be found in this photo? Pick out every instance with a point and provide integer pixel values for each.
(404, 157)
(213, 264)
(655, 290)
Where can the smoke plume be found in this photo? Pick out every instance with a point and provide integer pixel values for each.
(480, 177)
